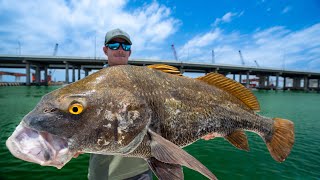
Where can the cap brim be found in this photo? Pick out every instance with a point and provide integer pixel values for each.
(122, 37)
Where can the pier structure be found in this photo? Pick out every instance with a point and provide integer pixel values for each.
(265, 78)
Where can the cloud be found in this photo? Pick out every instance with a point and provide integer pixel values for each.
(197, 43)
(79, 27)
(276, 47)
(286, 9)
(226, 18)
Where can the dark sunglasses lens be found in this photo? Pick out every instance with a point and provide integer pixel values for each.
(114, 46)
(126, 47)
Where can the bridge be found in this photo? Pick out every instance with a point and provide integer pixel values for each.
(16, 75)
(309, 80)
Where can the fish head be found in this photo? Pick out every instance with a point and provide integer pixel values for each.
(81, 117)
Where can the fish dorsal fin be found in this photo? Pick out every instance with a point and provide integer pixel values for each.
(166, 68)
(232, 87)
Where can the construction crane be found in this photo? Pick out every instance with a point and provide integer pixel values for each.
(256, 63)
(174, 52)
(241, 58)
(55, 51)
(213, 57)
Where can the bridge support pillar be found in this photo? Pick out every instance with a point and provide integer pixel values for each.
(277, 82)
(86, 72)
(38, 74)
(296, 83)
(234, 77)
(306, 83)
(247, 80)
(268, 81)
(318, 85)
(67, 73)
(262, 81)
(28, 74)
(73, 74)
(79, 75)
(46, 75)
(284, 83)
(240, 78)
(17, 79)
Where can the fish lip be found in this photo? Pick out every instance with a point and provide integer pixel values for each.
(39, 147)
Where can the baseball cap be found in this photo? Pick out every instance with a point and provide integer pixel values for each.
(117, 33)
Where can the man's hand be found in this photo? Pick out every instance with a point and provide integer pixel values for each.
(208, 136)
(77, 154)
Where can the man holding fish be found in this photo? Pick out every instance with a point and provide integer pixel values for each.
(118, 49)
(149, 113)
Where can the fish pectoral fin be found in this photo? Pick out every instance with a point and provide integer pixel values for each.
(166, 151)
(164, 170)
(166, 68)
(238, 138)
(233, 87)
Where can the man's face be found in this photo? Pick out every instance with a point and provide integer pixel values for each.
(117, 57)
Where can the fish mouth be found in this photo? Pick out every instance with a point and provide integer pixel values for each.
(39, 147)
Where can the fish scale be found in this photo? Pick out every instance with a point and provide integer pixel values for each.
(230, 119)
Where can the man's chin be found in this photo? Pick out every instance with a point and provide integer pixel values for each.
(119, 61)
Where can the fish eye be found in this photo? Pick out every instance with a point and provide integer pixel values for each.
(75, 108)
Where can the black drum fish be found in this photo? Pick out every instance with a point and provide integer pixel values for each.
(142, 112)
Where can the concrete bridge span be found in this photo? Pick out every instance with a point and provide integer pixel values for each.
(301, 80)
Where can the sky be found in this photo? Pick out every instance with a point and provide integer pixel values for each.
(281, 34)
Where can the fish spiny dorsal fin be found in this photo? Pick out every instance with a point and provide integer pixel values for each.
(233, 87)
(165, 68)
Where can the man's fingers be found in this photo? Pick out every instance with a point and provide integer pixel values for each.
(208, 137)
(77, 154)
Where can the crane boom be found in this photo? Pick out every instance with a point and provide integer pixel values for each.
(241, 58)
(256, 63)
(174, 52)
(55, 51)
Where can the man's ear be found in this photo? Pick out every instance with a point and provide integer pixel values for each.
(105, 50)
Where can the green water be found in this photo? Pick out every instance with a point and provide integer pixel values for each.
(225, 161)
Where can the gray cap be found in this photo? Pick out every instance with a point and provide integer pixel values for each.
(117, 33)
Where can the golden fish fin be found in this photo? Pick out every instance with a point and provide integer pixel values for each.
(167, 152)
(165, 68)
(232, 87)
(164, 170)
(238, 138)
(282, 140)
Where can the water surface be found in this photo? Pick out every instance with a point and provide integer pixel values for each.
(225, 161)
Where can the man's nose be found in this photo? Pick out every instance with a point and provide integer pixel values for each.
(120, 48)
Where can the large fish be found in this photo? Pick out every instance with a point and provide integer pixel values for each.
(142, 112)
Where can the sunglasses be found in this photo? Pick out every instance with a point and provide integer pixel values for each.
(115, 45)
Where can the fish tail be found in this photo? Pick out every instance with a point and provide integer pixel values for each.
(282, 140)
